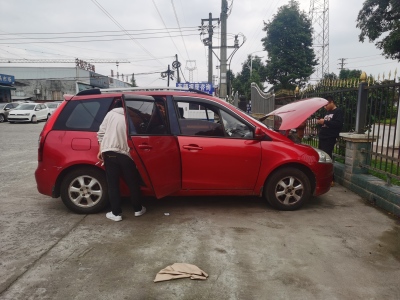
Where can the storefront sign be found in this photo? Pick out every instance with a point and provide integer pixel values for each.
(200, 86)
(7, 79)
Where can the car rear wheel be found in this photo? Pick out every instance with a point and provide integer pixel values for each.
(288, 189)
(34, 119)
(85, 191)
(2, 118)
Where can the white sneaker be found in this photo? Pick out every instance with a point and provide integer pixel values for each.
(139, 213)
(111, 216)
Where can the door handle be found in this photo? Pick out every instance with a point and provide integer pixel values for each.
(145, 147)
(192, 147)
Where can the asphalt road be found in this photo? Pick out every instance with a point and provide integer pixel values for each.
(336, 247)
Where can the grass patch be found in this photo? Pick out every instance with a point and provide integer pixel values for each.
(388, 167)
(390, 122)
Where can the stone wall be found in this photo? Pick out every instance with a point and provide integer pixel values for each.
(352, 176)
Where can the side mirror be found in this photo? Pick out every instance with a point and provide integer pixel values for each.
(259, 134)
(6, 108)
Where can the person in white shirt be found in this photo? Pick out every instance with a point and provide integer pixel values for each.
(114, 151)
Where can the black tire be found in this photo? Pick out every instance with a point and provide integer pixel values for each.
(2, 118)
(85, 191)
(288, 189)
(34, 119)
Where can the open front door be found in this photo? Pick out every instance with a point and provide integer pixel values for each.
(153, 143)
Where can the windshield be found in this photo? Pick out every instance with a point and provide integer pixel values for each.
(258, 122)
(25, 107)
(2, 105)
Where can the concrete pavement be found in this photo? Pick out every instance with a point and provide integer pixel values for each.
(336, 247)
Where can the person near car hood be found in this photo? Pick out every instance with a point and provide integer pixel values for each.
(114, 151)
(331, 125)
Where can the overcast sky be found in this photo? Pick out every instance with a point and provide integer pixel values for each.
(148, 34)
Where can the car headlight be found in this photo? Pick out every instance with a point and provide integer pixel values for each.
(324, 157)
(27, 114)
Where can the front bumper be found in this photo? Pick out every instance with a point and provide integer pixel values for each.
(323, 179)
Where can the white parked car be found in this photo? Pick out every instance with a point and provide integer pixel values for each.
(29, 112)
(52, 106)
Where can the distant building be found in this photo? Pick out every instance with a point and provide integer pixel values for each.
(51, 83)
(6, 86)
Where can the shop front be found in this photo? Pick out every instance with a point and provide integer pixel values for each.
(6, 86)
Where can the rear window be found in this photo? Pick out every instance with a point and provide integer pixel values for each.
(83, 115)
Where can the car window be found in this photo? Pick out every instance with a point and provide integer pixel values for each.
(25, 107)
(196, 118)
(204, 119)
(234, 127)
(147, 117)
(84, 115)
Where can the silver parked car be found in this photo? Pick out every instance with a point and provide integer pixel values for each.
(5, 109)
(53, 106)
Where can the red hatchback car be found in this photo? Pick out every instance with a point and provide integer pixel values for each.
(184, 143)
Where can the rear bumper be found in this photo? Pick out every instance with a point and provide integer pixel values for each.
(44, 182)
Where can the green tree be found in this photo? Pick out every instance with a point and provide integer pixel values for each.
(230, 78)
(349, 74)
(381, 17)
(331, 76)
(133, 81)
(291, 58)
(242, 81)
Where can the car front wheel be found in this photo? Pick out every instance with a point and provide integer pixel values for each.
(34, 119)
(85, 191)
(2, 118)
(288, 189)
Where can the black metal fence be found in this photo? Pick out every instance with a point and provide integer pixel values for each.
(370, 109)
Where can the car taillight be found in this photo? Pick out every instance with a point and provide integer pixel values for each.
(40, 147)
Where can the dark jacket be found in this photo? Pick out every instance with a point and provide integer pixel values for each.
(333, 123)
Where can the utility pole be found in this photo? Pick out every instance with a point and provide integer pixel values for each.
(342, 63)
(176, 65)
(208, 42)
(169, 73)
(223, 63)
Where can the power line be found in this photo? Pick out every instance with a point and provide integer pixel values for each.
(122, 28)
(101, 40)
(162, 20)
(89, 60)
(90, 32)
(95, 36)
(179, 25)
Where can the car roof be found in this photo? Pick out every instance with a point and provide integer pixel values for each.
(145, 91)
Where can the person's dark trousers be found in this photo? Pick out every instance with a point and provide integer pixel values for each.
(327, 145)
(117, 164)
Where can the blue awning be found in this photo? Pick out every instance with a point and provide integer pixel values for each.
(6, 87)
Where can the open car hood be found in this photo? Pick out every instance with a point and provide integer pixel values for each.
(291, 115)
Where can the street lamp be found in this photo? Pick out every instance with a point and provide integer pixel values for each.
(251, 60)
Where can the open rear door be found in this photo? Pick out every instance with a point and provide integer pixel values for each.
(153, 143)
